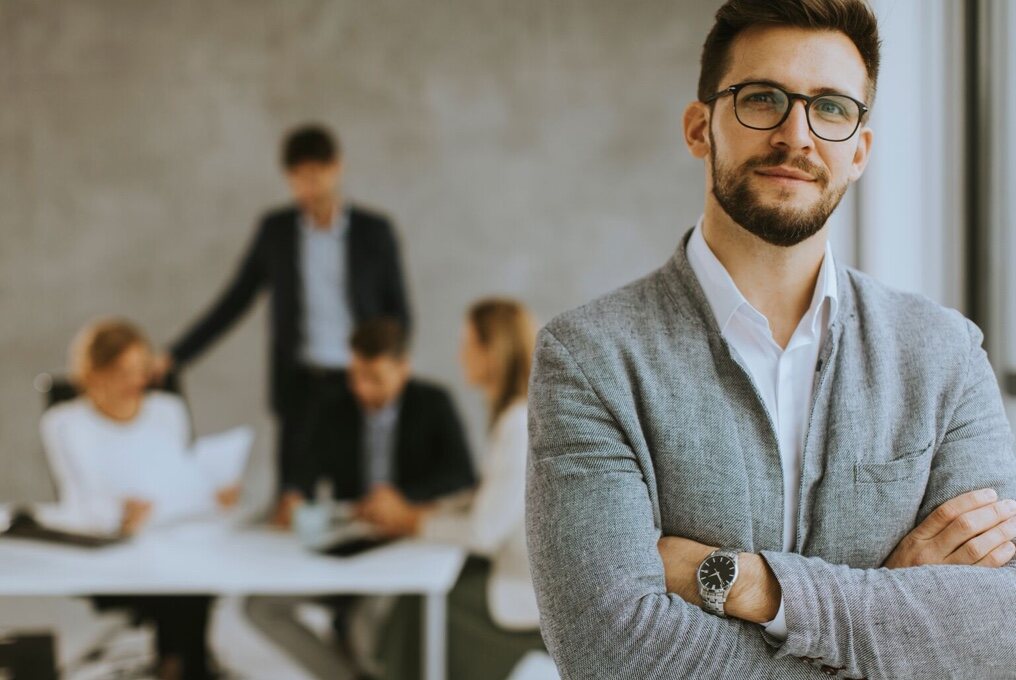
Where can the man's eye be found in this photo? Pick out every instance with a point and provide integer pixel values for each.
(828, 107)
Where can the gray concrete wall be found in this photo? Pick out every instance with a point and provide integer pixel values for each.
(530, 147)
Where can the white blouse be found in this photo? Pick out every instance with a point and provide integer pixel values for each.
(493, 525)
(98, 463)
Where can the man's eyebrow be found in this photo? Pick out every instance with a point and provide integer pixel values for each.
(775, 83)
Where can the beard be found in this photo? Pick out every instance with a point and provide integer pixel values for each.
(774, 224)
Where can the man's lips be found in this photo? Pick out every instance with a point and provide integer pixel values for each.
(786, 174)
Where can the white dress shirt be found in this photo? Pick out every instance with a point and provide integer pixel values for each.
(784, 378)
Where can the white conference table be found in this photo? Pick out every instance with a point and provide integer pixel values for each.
(229, 558)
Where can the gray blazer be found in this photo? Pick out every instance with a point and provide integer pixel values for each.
(643, 422)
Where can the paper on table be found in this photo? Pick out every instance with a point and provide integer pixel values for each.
(222, 457)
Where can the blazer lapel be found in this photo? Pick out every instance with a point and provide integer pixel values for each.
(288, 285)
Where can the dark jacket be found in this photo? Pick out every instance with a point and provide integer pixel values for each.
(431, 456)
(375, 285)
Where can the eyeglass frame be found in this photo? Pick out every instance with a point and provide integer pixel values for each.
(791, 97)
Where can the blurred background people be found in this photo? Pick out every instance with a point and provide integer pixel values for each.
(399, 441)
(328, 265)
(110, 450)
(492, 616)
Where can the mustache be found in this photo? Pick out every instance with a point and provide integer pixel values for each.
(782, 157)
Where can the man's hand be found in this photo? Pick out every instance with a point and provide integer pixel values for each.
(971, 529)
(282, 518)
(390, 512)
(162, 363)
(756, 593)
(135, 513)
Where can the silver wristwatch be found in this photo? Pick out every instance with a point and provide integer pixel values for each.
(716, 576)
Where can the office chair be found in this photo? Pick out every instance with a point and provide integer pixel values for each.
(56, 388)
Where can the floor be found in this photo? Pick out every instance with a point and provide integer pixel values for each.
(238, 647)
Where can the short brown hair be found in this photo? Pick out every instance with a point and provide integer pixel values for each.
(378, 337)
(99, 344)
(853, 18)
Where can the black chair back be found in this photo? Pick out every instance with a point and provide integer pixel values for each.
(56, 389)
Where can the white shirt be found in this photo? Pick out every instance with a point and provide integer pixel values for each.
(493, 525)
(327, 318)
(784, 378)
(98, 463)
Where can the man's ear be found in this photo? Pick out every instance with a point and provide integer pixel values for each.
(696, 129)
(861, 154)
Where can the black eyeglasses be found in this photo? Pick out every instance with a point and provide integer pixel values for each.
(764, 106)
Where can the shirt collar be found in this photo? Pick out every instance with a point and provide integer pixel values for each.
(340, 218)
(726, 300)
(386, 414)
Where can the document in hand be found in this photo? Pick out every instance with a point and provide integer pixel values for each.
(222, 457)
(181, 484)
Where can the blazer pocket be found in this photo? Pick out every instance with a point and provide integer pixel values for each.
(909, 464)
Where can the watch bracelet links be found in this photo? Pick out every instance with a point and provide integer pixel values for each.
(712, 601)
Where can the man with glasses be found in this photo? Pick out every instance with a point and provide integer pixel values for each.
(757, 463)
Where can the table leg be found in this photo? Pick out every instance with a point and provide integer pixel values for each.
(435, 644)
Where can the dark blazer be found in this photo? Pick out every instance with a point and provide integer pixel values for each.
(431, 456)
(272, 260)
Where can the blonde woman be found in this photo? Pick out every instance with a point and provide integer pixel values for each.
(110, 450)
(117, 449)
(493, 619)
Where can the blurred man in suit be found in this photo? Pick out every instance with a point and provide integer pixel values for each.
(399, 439)
(327, 265)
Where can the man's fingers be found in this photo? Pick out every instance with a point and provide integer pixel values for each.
(972, 524)
(979, 547)
(999, 556)
(946, 513)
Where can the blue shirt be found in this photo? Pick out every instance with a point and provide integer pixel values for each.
(327, 318)
(379, 443)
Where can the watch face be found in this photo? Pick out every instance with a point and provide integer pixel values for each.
(717, 572)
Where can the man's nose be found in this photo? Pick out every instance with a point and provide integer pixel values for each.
(794, 132)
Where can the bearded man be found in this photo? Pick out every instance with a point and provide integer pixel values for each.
(755, 462)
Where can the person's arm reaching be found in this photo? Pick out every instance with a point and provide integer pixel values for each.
(600, 583)
(228, 308)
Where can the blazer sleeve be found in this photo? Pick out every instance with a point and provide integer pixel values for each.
(452, 466)
(929, 621)
(604, 608)
(247, 281)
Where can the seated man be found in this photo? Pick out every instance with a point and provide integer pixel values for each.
(400, 438)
